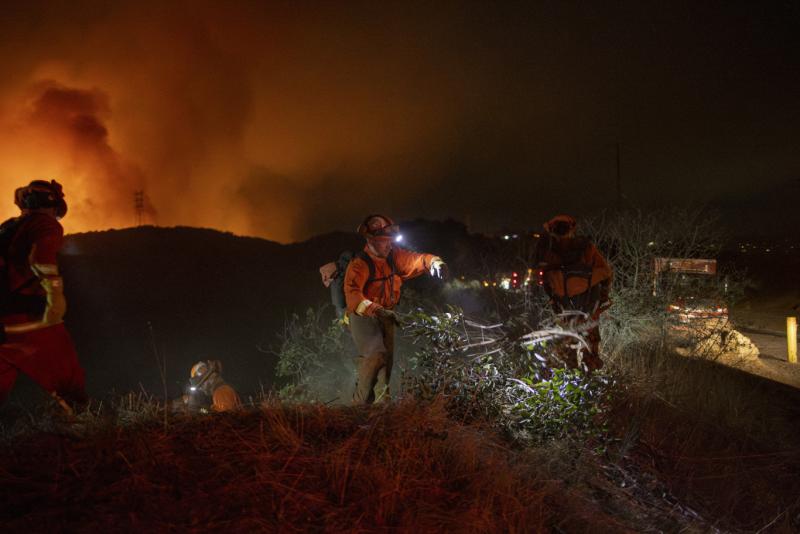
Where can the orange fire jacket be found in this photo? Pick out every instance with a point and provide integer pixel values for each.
(590, 257)
(366, 299)
(225, 399)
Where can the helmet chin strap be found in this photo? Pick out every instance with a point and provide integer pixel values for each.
(374, 250)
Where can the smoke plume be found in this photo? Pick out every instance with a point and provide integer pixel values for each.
(285, 119)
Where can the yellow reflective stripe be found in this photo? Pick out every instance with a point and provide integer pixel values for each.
(431, 262)
(23, 328)
(45, 269)
(362, 307)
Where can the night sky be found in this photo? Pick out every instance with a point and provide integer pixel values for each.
(289, 119)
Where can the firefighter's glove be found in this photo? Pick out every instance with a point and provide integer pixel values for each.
(439, 269)
(388, 314)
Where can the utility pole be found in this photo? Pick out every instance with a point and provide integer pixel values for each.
(619, 180)
(138, 203)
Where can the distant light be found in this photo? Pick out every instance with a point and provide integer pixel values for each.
(398, 238)
(651, 243)
(193, 388)
(506, 237)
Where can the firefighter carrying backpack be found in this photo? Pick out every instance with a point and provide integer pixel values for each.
(573, 274)
(11, 299)
(337, 284)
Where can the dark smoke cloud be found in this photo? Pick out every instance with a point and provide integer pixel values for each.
(73, 121)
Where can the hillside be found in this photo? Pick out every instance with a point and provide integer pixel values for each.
(404, 468)
(721, 461)
(207, 294)
(678, 444)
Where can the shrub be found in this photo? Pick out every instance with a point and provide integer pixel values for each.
(314, 359)
(639, 315)
(508, 375)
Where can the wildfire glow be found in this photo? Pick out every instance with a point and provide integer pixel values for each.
(236, 117)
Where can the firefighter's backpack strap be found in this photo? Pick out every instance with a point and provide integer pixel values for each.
(371, 266)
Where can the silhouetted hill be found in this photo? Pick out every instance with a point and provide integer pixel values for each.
(207, 294)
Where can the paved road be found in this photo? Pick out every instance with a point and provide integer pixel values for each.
(771, 361)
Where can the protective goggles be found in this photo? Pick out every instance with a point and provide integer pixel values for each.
(390, 231)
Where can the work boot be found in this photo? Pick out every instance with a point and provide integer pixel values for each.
(367, 369)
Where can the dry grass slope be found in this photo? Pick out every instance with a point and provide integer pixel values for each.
(306, 468)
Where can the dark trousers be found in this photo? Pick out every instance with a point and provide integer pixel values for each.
(374, 338)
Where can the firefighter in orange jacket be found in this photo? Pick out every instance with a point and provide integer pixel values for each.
(372, 289)
(33, 339)
(577, 278)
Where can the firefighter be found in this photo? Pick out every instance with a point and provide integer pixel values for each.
(32, 305)
(208, 391)
(372, 285)
(577, 279)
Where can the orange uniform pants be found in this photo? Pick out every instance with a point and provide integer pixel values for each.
(48, 357)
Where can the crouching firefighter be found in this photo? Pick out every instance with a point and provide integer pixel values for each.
(577, 279)
(207, 390)
(370, 283)
(33, 339)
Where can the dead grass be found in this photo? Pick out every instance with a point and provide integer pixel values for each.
(723, 440)
(291, 469)
(700, 446)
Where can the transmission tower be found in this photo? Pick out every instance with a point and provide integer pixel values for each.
(138, 202)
